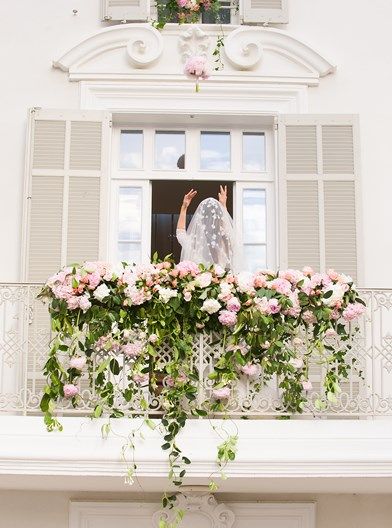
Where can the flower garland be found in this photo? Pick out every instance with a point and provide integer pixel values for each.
(184, 11)
(109, 321)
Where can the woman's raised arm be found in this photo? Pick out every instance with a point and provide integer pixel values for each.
(181, 224)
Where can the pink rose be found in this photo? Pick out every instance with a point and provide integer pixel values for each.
(77, 362)
(221, 394)
(330, 332)
(187, 267)
(70, 390)
(187, 296)
(227, 318)
(182, 3)
(307, 385)
(260, 281)
(233, 304)
(307, 270)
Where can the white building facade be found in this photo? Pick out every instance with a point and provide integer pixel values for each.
(98, 115)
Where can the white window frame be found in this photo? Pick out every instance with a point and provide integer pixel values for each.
(145, 242)
(270, 245)
(241, 179)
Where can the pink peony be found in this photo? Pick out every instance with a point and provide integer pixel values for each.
(182, 3)
(73, 303)
(187, 267)
(77, 362)
(233, 304)
(307, 270)
(203, 280)
(132, 350)
(274, 306)
(291, 275)
(353, 311)
(221, 394)
(260, 281)
(330, 332)
(251, 370)
(136, 296)
(282, 286)
(307, 385)
(227, 318)
(70, 390)
(196, 67)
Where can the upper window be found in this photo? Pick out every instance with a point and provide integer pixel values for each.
(193, 151)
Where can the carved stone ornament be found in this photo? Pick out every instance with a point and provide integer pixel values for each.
(201, 511)
(193, 41)
(245, 48)
(145, 46)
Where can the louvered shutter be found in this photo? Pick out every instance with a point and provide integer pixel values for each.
(119, 10)
(264, 11)
(318, 192)
(65, 209)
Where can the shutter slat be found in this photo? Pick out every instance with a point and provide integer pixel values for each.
(85, 145)
(303, 224)
(301, 150)
(338, 149)
(45, 227)
(340, 226)
(49, 144)
(83, 223)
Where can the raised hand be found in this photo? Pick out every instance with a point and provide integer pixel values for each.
(222, 195)
(188, 198)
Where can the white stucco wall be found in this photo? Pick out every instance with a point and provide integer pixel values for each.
(354, 34)
(50, 509)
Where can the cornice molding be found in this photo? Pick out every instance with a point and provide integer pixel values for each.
(244, 50)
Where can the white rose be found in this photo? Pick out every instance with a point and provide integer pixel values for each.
(203, 280)
(245, 281)
(338, 291)
(165, 294)
(101, 292)
(211, 306)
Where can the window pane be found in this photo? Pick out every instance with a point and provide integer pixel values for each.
(169, 150)
(215, 151)
(254, 220)
(129, 214)
(129, 252)
(253, 151)
(222, 17)
(131, 149)
(255, 257)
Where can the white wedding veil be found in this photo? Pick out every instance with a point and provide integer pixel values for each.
(210, 237)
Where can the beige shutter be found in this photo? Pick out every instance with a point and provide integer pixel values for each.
(318, 192)
(264, 11)
(65, 190)
(119, 10)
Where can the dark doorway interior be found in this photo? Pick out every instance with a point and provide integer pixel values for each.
(166, 203)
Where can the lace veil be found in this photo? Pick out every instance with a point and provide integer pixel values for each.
(210, 237)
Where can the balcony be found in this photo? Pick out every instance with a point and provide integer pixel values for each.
(345, 448)
(367, 393)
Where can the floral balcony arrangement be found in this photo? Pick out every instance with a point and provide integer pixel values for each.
(109, 323)
(184, 11)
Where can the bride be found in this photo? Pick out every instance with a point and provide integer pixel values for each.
(209, 238)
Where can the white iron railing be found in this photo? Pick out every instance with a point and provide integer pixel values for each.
(24, 344)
